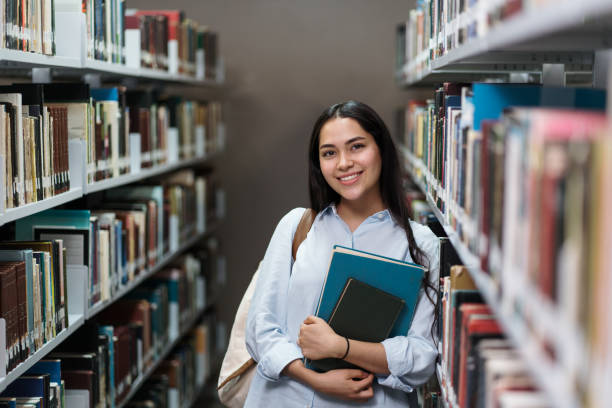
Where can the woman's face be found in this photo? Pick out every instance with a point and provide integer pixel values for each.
(349, 159)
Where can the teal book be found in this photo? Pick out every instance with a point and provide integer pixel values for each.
(395, 277)
(71, 226)
(363, 313)
(107, 331)
(489, 100)
(26, 256)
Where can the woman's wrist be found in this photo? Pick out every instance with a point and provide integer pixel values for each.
(340, 347)
(298, 371)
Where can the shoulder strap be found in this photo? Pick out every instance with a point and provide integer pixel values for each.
(302, 230)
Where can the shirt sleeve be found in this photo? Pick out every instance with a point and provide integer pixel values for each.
(411, 359)
(266, 333)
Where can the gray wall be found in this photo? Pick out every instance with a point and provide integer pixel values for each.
(286, 60)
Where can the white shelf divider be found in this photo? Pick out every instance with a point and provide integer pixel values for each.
(74, 322)
(549, 377)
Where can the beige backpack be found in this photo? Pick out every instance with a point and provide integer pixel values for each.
(238, 368)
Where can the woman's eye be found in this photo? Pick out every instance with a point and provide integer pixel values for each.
(357, 146)
(327, 153)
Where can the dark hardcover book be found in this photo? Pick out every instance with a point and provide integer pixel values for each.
(448, 257)
(363, 313)
(66, 92)
(74, 362)
(81, 380)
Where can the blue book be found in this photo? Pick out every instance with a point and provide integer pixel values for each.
(398, 278)
(491, 99)
(30, 387)
(107, 331)
(51, 367)
(105, 94)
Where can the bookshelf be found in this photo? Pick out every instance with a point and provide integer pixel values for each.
(555, 43)
(173, 343)
(75, 321)
(546, 374)
(71, 63)
(551, 33)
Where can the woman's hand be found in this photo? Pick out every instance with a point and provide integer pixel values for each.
(317, 340)
(346, 384)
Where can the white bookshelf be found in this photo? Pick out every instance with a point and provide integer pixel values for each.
(548, 375)
(15, 58)
(113, 69)
(77, 65)
(142, 174)
(74, 322)
(565, 29)
(12, 214)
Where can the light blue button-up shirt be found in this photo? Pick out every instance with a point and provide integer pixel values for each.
(287, 292)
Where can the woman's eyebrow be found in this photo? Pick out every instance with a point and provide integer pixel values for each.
(325, 146)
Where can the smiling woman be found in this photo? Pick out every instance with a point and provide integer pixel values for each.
(355, 189)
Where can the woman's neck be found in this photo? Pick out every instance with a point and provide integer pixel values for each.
(353, 213)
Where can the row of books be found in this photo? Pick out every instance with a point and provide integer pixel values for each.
(480, 368)
(33, 143)
(128, 232)
(28, 26)
(33, 298)
(524, 187)
(436, 27)
(38, 122)
(166, 40)
(98, 365)
(159, 39)
(180, 377)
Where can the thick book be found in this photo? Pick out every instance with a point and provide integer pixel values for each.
(398, 278)
(362, 313)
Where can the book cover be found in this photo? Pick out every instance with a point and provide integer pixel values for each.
(362, 313)
(401, 279)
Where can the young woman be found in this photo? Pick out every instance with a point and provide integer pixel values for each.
(355, 189)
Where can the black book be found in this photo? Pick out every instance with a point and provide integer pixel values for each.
(363, 313)
(66, 92)
(448, 257)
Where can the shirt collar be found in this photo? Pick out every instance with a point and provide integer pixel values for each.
(381, 215)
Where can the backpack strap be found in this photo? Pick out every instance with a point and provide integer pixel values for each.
(302, 230)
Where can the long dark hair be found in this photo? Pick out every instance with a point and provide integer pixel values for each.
(391, 191)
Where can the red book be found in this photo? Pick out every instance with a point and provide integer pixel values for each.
(477, 326)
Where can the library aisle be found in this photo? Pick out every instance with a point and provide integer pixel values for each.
(149, 149)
